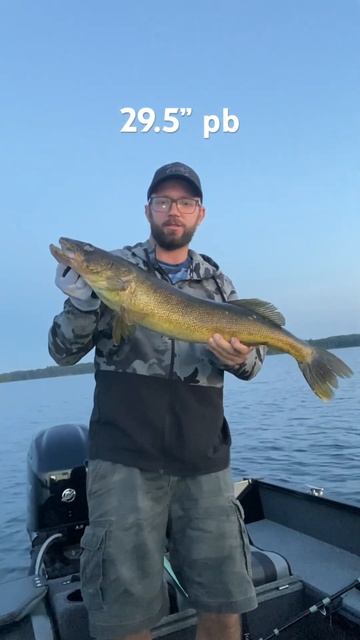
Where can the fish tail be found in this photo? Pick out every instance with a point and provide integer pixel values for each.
(322, 370)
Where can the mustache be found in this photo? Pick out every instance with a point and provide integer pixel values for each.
(173, 222)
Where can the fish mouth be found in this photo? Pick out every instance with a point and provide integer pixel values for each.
(66, 252)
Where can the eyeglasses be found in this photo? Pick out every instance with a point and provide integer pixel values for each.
(163, 204)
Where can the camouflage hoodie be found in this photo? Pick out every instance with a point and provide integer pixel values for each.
(158, 402)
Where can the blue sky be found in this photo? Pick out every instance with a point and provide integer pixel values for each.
(282, 193)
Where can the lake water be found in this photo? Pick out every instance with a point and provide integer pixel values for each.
(281, 432)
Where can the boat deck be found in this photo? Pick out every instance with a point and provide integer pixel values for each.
(319, 537)
(323, 566)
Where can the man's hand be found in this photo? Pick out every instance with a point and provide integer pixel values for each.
(233, 352)
(73, 285)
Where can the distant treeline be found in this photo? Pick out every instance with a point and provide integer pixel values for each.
(334, 342)
(47, 372)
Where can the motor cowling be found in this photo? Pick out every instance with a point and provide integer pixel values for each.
(57, 467)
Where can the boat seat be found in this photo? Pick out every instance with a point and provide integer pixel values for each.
(268, 566)
(19, 597)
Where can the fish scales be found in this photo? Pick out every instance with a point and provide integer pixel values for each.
(196, 320)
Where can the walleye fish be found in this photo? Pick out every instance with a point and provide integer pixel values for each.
(137, 297)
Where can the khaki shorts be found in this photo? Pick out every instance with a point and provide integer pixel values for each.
(130, 513)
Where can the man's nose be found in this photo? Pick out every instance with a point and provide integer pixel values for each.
(174, 211)
(173, 207)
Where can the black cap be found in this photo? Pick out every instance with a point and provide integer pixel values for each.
(176, 170)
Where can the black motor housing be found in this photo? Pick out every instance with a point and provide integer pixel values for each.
(57, 466)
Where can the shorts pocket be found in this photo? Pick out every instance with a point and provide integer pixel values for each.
(91, 567)
(244, 539)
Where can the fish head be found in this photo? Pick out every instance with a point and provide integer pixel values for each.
(83, 257)
(99, 268)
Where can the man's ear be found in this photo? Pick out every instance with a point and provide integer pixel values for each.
(147, 212)
(202, 214)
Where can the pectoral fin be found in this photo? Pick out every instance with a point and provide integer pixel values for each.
(123, 327)
(265, 309)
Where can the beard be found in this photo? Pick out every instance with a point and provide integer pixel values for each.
(168, 238)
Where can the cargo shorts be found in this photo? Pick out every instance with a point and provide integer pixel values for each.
(135, 518)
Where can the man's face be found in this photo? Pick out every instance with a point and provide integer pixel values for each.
(172, 230)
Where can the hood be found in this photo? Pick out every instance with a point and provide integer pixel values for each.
(203, 266)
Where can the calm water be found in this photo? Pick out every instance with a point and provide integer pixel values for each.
(280, 430)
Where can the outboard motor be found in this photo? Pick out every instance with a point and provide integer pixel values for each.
(56, 463)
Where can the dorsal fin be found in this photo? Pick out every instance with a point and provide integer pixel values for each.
(265, 309)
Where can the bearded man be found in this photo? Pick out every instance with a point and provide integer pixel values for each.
(159, 444)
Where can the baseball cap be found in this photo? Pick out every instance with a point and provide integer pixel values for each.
(176, 170)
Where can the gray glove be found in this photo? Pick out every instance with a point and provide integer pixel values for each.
(74, 286)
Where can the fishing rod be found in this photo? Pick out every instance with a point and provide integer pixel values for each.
(319, 606)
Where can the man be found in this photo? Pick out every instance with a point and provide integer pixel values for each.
(158, 442)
